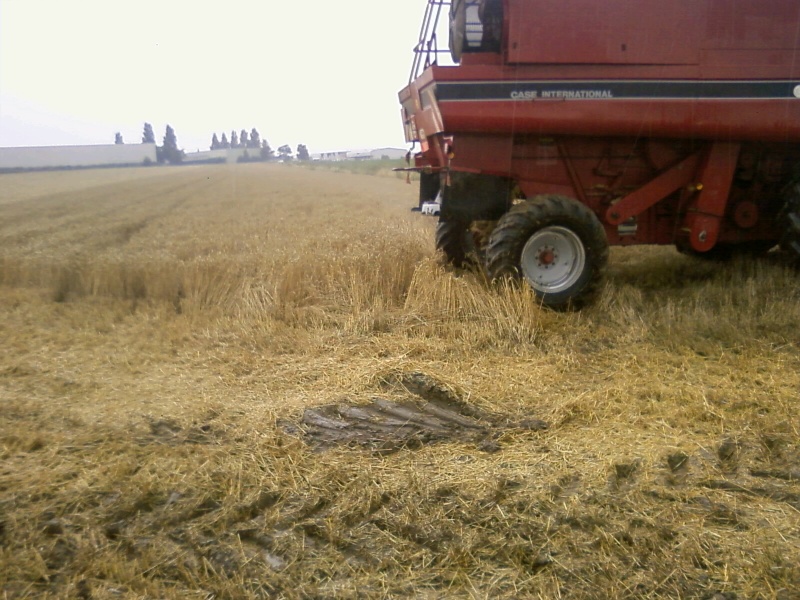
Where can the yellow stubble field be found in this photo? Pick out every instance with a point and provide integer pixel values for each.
(168, 334)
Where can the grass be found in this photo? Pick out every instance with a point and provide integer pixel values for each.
(163, 334)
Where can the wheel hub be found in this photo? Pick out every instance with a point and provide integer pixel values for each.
(547, 257)
(553, 259)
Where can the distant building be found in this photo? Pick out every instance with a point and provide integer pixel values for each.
(390, 153)
(65, 157)
(207, 156)
(223, 155)
(359, 155)
(339, 155)
(377, 154)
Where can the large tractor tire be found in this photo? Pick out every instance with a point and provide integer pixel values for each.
(454, 239)
(790, 222)
(556, 244)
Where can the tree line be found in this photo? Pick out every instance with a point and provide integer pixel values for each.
(169, 151)
(241, 141)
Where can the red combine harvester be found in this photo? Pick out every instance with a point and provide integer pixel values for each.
(566, 127)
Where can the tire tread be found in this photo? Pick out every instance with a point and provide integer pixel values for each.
(518, 224)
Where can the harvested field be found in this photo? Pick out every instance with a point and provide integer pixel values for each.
(187, 351)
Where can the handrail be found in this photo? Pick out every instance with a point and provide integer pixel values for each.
(427, 48)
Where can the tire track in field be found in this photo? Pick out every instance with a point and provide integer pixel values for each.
(78, 210)
(63, 203)
(106, 217)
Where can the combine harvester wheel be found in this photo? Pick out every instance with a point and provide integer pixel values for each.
(454, 239)
(556, 244)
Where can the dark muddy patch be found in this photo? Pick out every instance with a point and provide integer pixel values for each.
(432, 413)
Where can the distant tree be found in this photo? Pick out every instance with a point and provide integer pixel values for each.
(234, 140)
(266, 151)
(285, 152)
(255, 138)
(148, 137)
(215, 142)
(118, 138)
(302, 152)
(169, 151)
(224, 143)
(243, 142)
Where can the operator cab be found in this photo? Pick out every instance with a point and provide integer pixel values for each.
(475, 26)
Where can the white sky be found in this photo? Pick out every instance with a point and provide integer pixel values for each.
(324, 73)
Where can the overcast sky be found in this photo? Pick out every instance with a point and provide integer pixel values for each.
(324, 73)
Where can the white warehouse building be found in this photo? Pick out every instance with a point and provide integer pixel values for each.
(54, 157)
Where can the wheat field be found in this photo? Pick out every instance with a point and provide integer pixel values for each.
(167, 334)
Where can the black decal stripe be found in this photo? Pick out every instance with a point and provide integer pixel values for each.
(605, 89)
